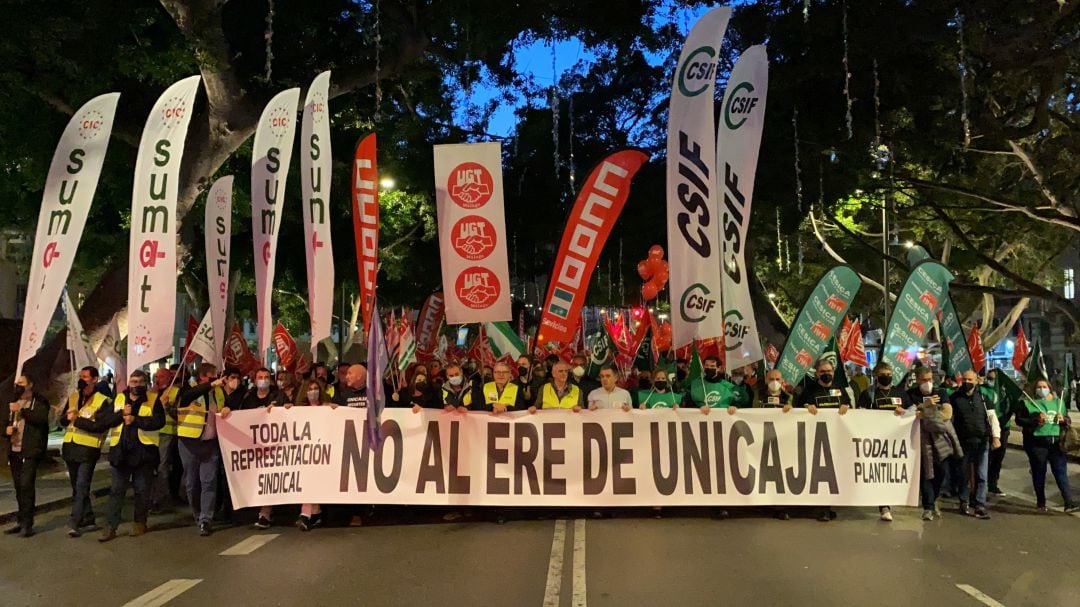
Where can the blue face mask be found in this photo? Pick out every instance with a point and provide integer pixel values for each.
(1042, 392)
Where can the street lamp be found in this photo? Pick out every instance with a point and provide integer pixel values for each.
(387, 183)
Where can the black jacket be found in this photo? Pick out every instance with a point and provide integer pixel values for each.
(81, 454)
(129, 452)
(870, 398)
(813, 390)
(969, 417)
(35, 418)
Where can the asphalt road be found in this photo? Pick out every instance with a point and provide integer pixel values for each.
(1019, 557)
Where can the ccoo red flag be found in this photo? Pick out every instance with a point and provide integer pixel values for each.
(855, 349)
(285, 346)
(192, 330)
(975, 347)
(1021, 350)
(238, 354)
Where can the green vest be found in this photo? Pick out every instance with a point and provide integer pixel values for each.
(1001, 406)
(653, 400)
(717, 395)
(741, 396)
(1051, 408)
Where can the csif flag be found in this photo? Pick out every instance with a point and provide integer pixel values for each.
(218, 245)
(152, 267)
(598, 206)
(1034, 367)
(693, 217)
(315, 161)
(738, 141)
(65, 205)
(270, 158)
(1022, 350)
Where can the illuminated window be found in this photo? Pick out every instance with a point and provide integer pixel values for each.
(1070, 283)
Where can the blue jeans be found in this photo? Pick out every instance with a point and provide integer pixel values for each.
(82, 511)
(1042, 451)
(141, 479)
(201, 460)
(974, 462)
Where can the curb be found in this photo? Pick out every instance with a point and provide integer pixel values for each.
(1071, 457)
(54, 505)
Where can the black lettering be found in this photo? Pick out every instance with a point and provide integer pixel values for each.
(161, 152)
(459, 485)
(593, 433)
(696, 458)
(823, 472)
(796, 482)
(665, 484)
(525, 458)
(354, 455)
(391, 434)
(431, 472)
(620, 484)
(76, 158)
(743, 484)
(771, 471)
(496, 485)
(552, 456)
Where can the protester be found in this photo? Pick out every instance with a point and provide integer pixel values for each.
(352, 392)
(453, 389)
(1005, 409)
(233, 391)
(609, 395)
(711, 390)
(741, 394)
(498, 395)
(196, 426)
(659, 394)
(165, 493)
(287, 387)
(83, 438)
(526, 381)
(882, 395)
(821, 394)
(1045, 421)
(133, 451)
(559, 393)
(314, 395)
(771, 392)
(27, 430)
(977, 427)
(578, 366)
(418, 393)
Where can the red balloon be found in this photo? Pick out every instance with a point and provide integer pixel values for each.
(661, 277)
(656, 252)
(654, 265)
(648, 291)
(643, 269)
(664, 329)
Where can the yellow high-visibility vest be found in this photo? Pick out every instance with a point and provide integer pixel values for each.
(88, 411)
(170, 420)
(552, 401)
(191, 419)
(492, 397)
(146, 437)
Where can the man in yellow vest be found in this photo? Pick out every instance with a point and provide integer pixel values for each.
(497, 395)
(83, 438)
(196, 427)
(136, 418)
(559, 393)
(166, 492)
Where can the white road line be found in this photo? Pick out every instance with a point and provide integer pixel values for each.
(579, 564)
(555, 565)
(249, 545)
(163, 593)
(976, 594)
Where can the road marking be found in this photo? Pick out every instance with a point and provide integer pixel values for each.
(249, 545)
(579, 564)
(976, 594)
(555, 565)
(163, 593)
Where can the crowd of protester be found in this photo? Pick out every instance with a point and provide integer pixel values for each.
(160, 433)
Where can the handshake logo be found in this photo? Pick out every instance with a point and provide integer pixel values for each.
(474, 238)
(477, 287)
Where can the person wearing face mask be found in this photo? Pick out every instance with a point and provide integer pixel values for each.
(711, 390)
(578, 365)
(977, 427)
(83, 438)
(133, 451)
(262, 395)
(26, 427)
(288, 388)
(166, 490)
(1044, 420)
(526, 380)
(453, 390)
(771, 393)
(196, 425)
(659, 394)
(822, 394)
(313, 394)
(1005, 409)
(882, 395)
(418, 394)
(742, 395)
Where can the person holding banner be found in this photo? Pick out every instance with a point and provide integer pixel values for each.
(165, 492)
(261, 396)
(528, 381)
(711, 390)
(1045, 421)
(453, 389)
(578, 377)
(133, 451)
(771, 392)
(314, 395)
(196, 425)
(560, 393)
(884, 396)
(659, 394)
(609, 395)
(821, 394)
(27, 429)
(83, 439)
(741, 394)
(353, 391)
(418, 393)
(977, 426)
(498, 395)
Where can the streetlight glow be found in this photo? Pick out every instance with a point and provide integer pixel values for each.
(387, 183)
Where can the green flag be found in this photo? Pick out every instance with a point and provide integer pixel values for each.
(920, 299)
(696, 370)
(601, 352)
(1008, 389)
(832, 354)
(504, 340)
(817, 321)
(1035, 367)
(643, 360)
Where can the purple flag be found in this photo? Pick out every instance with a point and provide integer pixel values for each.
(377, 362)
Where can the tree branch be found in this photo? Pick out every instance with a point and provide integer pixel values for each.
(1038, 213)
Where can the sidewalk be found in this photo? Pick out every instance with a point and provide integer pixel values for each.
(53, 487)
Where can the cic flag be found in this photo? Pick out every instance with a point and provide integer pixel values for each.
(269, 168)
(315, 161)
(693, 218)
(218, 229)
(738, 141)
(597, 208)
(152, 267)
(472, 232)
(365, 212)
(76, 162)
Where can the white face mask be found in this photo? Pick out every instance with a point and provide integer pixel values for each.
(579, 371)
(926, 388)
(263, 384)
(313, 395)
(455, 380)
(737, 379)
(1043, 392)
(774, 386)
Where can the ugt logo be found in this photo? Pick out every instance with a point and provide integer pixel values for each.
(477, 287)
(474, 237)
(803, 359)
(470, 185)
(836, 303)
(916, 327)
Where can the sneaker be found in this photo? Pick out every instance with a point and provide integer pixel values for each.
(303, 523)
(886, 515)
(1074, 507)
(316, 520)
(138, 529)
(17, 529)
(27, 532)
(981, 513)
(107, 535)
(927, 515)
(74, 533)
(263, 523)
(997, 492)
(783, 516)
(204, 529)
(937, 511)
(965, 510)
(1041, 508)
(824, 517)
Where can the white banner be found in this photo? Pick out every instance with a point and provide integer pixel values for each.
(472, 232)
(108, 352)
(204, 343)
(269, 168)
(560, 458)
(315, 165)
(77, 339)
(69, 191)
(218, 228)
(152, 264)
(738, 141)
(692, 214)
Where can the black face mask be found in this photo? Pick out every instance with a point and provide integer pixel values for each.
(19, 390)
(138, 391)
(825, 378)
(421, 384)
(711, 375)
(644, 383)
(661, 385)
(968, 387)
(680, 374)
(884, 380)
(523, 371)
(82, 385)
